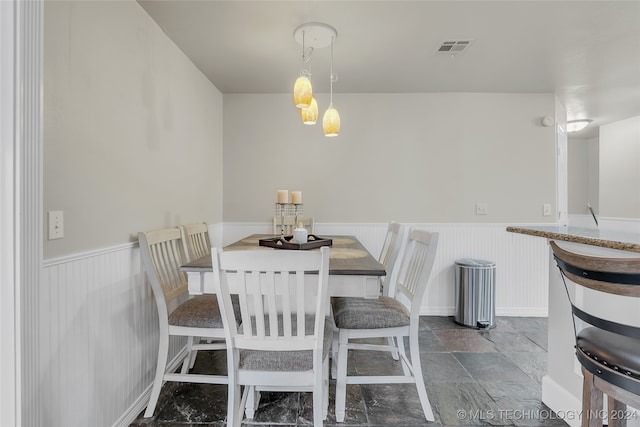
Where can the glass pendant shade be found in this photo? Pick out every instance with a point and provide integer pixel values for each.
(310, 113)
(331, 122)
(302, 92)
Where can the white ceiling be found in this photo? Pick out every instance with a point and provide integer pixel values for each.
(588, 53)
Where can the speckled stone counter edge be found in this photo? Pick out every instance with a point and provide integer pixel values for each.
(577, 239)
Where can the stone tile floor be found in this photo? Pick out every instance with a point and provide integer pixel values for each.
(473, 377)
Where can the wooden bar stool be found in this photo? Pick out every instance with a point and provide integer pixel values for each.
(609, 351)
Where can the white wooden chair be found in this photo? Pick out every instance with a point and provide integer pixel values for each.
(163, 252)
(196, 237)
(388, 316)
(608, 350)
(290, 224)
(388, 256)
(277, 347)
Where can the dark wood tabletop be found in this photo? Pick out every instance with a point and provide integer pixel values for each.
(347, 256)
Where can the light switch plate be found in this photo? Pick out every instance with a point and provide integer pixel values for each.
(56, 225)
(546, 209)
(482, 209)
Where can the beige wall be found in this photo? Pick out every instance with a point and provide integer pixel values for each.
(132, 130)
(620, 169)
(405, 157)
(583, 175)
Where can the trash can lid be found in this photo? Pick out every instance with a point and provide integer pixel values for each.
(469, 262)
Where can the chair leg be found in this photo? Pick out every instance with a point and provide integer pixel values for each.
(194, 353)
(392, 342)
(163, 351)
(253, 401)
(235, 409)
(325, 388)
(318, 397)
(186, 363)
(234, 400)
(403, 355)
(616, 412)
(341, 380)
(334, 352)
(417, 373)
(591, 401)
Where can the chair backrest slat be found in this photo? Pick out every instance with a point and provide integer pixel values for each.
(416, 266)
(196, 237)
(163, 252)
(276, 289)
(389, 254)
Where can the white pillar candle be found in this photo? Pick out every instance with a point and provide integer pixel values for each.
(296, 197)
(283, 196)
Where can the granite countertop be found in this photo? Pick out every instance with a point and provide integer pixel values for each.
(588, 236)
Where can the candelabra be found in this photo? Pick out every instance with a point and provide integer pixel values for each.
(288, 209)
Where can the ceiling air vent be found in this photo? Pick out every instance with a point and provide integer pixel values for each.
(453, 47)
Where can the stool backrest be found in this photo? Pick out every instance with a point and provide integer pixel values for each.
(616, 276)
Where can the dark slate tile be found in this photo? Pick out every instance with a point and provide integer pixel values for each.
(464, 340)
(511, 341)
(429, 342)
(532, 364)
(440, 322)
(355, 412)
(193, 403)
(528, 324)
(491, 367)
(521, 404)
(443, 367)
(541, 338)
(508, 382)
(503, 325)
(374, 363)
(393, 404)
(277, 408)
(463, 404)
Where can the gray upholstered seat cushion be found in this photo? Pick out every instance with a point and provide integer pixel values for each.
(616, 351)
(201, 311)
(360, 313)
(287, 360)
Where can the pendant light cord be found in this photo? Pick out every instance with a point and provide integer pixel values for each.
(331, 77)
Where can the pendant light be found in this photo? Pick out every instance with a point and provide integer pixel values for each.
(310, 113)
(331, 119)
(302, 89)
(314, 35)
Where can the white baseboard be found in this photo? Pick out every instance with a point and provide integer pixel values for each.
(566, 406)
(141, 402)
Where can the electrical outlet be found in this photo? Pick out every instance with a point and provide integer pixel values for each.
(546, 209)
(482, 209)
(56, 225)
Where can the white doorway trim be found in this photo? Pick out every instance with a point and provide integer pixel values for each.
(9, 305)
(21, 171)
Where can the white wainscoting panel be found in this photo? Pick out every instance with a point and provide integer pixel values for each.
(98, 339)
(521, 261)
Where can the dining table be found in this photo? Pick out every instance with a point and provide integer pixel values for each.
(353, 271)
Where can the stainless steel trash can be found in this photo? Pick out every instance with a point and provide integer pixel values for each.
(475, 285)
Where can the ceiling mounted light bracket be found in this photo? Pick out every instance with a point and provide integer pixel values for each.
(316, 35)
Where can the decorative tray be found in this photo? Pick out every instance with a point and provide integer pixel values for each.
(285, 242)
